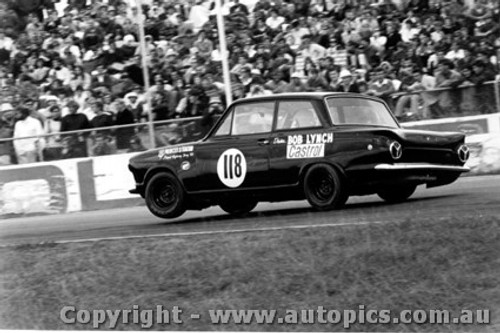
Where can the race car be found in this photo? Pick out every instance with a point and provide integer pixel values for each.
(323, 147)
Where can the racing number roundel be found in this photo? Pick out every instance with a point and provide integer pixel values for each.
(232, 168)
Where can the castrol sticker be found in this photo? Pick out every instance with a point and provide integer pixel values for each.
(308, 145)
(305, 151)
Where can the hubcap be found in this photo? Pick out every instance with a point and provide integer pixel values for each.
(165, 195)
(323, 186)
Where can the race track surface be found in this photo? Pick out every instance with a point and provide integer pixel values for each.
(469, 196)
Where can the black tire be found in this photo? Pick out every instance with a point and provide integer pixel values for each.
(238, 208)
(165, 196)
(397, 194)
(324, 187)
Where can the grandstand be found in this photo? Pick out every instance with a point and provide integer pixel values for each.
(76, 65)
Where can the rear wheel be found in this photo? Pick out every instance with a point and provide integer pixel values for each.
(238, 208)
(165, 196)
(397, 194)
(324, 188)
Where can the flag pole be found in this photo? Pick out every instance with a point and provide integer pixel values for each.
(145, 72)
(223, 52)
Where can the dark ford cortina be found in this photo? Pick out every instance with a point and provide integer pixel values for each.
(323, 147)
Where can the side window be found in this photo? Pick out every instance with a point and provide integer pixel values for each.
(225, 127)
(253, 118)
(297, 114)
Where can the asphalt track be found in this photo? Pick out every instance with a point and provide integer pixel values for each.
(473, 197)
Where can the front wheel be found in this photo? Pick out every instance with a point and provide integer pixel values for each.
(324, 188)
(238, 208)
(165, 196)
(397, 194)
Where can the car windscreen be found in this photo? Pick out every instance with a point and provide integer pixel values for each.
(359, 111)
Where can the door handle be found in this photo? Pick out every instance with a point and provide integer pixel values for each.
(263, 142)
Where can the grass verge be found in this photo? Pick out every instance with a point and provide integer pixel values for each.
(451, 263)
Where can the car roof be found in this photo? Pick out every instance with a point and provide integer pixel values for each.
(299, 95)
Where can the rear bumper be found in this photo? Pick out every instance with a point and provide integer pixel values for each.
(421, 166)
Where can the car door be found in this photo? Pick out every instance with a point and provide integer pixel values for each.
(236, 155)
(299, 136)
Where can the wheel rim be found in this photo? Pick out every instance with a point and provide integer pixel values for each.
(165, 194)
(322, 185)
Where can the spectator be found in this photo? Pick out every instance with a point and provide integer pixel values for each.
(32, 105)
(468, 98)
(195, 104)
(347, 82)
(102, 140)
(315, 82)
(419, 83)
(40, 72)
(100, 78)
(136, 145)
(7, 115)
(295, 84)
(102, 118)
(133, 103)
(380, 86)
(79, 78)
(274, 22)
(53, 148)
(204, 46)
(124, 116)
(333, 78)
(75, 145)
(311, 50)
(276, 84)
(447, 77)
(6, 47)
(60, 72)
(483, 92)
(27, 150)
(456, 53)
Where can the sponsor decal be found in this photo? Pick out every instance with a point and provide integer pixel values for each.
(185, 165)
(307, 145)
(314, 138)
(232, 168)
(176, 153)
(305, 151)
(278, 141)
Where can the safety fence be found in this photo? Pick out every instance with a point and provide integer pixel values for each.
(101, 141)
(463, 100)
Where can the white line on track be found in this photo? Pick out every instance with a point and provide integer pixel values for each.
(215, 232)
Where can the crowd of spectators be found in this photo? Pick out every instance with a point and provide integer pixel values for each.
(78, 66)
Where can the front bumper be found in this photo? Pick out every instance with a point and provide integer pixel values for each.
(421, 166)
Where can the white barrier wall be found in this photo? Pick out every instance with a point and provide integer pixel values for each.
(103, 182)
(66, 186)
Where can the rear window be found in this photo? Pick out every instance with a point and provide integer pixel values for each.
(359, 111)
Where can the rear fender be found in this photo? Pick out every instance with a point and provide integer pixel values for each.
(309, 164)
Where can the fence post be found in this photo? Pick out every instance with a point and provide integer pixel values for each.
(497, 92)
